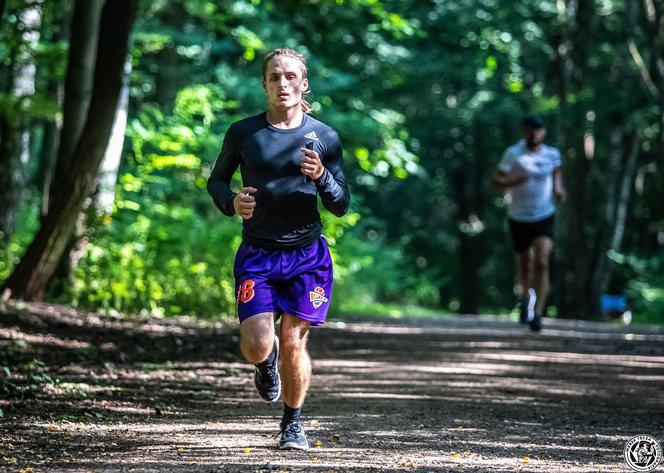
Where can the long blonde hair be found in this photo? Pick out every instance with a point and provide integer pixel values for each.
(286, 52)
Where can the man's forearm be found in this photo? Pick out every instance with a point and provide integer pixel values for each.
(503, 182)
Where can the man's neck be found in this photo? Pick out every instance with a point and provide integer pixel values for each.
(533, 146)
(288, 118)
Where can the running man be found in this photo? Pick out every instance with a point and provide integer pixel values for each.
(283, 267)
(530, 171)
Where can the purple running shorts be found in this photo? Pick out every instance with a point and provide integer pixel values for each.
(296, 282)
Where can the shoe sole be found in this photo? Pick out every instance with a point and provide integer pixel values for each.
(272, 401)
(293, 446)
(532, 300)
(276, 399)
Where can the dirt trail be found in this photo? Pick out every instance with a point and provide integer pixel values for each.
(451, 394)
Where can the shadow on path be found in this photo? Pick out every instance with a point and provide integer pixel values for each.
(453, 394)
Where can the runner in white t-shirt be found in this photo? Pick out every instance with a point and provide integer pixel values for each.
(530, 173)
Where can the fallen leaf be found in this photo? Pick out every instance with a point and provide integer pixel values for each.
(318, 443)
(246, 450)
(193, 462)
(314, 459)
(525, 459)
(180, 451)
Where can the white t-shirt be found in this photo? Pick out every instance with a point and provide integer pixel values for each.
(532, 200)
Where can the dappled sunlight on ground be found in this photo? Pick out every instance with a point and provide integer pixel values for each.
(449, 395)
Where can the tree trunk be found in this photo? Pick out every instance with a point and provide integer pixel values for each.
(600, 261)
(110, 166)
(83, 38)
(103, 195)
(37, 265)
(469, 251)
(561, 296)
(78, 82)
(655, 34)
(10, 175)
(571, 254)
(51, 127)
(621, 210)
(47, 162)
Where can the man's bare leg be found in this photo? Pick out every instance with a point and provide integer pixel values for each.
(523, 272)
(543, 246)
(257, 337)
(257, 343)
(295, 361)
(295, 373)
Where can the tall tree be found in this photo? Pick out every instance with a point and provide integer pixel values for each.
(55, 34)
(84, 35)
(78, 85)
(31, 275)
(110, 166)
(571, 42)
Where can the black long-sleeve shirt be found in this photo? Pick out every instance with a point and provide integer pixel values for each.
(286, 214)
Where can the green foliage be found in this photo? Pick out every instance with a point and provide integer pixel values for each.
(370, 271)
(348, 311)
(645, 285)
(11, 252)
(165, 250)
(28, 380)
(161, 262)
(425, 95)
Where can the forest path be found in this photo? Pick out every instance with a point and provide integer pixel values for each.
(449, 394)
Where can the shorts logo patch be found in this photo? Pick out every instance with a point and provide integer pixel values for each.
(317, 297)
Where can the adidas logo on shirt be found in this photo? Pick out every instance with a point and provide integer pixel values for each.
(311, 135)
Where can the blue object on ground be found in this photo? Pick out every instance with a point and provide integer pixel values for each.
(613, 303)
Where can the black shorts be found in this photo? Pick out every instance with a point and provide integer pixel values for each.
(524, 233)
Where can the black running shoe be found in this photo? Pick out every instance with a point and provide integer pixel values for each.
(266, 377)
(293, 436)
(536, 323)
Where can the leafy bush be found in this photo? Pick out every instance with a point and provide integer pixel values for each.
(644, 286)
(28, 380)
(165, 249)
(370, 271)
(27, 225)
